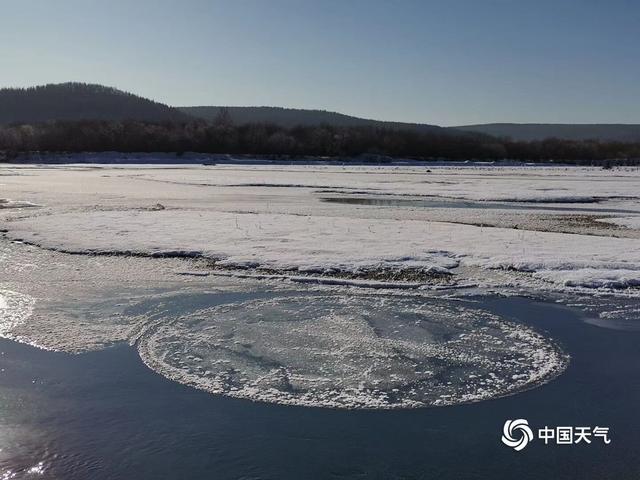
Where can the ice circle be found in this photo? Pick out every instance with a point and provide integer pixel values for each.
(351, 351)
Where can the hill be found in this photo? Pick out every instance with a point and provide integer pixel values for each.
(566, 131)
(292, 117)
(79, 101)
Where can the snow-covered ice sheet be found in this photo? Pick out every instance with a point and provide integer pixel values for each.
(271, 217)
(324, 244)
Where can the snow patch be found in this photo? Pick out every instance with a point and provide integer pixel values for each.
(592, 278)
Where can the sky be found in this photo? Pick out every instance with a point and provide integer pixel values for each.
(448, 62)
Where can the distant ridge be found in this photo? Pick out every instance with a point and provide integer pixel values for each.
(566, 131)
(293, 117)
(83, 101)
(79, 101)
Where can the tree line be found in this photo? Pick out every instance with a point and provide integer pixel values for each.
(263, 139)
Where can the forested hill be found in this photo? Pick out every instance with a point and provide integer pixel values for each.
(79, 101)
(293, 117)
(611, 132)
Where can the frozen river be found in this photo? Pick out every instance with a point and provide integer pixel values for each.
(414, 312)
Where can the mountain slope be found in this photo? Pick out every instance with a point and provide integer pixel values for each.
(78, 101)
(292, 117)
(567, 131)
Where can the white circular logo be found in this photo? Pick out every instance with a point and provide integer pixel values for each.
(516, 434)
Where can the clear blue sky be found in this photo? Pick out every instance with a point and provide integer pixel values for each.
(445, 62)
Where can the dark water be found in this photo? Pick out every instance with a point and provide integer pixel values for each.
(444, 203)
(104, 415)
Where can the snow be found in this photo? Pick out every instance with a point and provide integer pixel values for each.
(290, 243)
(592, 277)
(270, 219)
